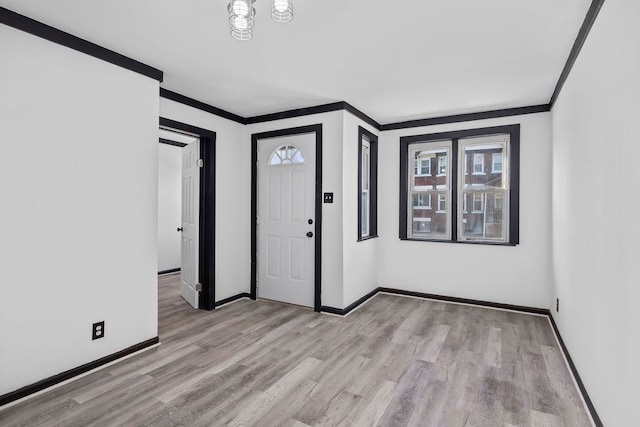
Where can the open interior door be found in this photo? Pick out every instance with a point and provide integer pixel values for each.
(190, 223)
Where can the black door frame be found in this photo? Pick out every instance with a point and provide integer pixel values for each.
(207, 232)
(317, 129)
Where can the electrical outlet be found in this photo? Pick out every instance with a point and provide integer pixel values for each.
(98, 330)
(557, 305)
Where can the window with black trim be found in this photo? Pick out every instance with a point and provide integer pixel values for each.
(473, 196)
(368, 184)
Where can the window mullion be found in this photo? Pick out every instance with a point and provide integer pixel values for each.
(453, 188)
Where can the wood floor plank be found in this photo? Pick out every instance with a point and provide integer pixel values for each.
(395, 361)
(493, 353)
(436, 341)
(372, 408)
(276, 393)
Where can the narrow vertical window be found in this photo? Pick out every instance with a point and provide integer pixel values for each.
(442, 165)
(477, 202)
(423, 166)
(496, 163)
(364, 191)
(442, 203)
(478, 163)
(367, 183)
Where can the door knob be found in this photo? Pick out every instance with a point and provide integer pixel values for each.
(179, 228)
(310, 234)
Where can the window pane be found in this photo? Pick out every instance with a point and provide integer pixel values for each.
(364, 226)
(486, 221)
(365, 166)
(426, 222)
(477, 155)
(422, 158)
(286, 154)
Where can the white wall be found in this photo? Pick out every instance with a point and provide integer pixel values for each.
(78, 177)
(360, 259)
(233, 195)
(513, 275)
(332, 256)
(169, 206)
(596, 123)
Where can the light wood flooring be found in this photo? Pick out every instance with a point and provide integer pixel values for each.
(395, 361)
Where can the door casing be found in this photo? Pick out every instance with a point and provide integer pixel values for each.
(317, 129)
(207, 226)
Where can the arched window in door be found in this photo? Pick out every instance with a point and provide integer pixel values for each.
(286, 155)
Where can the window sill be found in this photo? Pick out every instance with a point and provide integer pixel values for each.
(422, 207)
(362, 239)
(478, 173)
(469, 242)
(441, 211)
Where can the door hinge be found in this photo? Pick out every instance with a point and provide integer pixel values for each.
(200, 163)
(199, 287)
(257, 220)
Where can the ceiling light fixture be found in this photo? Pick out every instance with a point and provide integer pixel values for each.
(242, 14)
(282, 10)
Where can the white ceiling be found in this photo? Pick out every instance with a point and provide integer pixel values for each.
(394, 60)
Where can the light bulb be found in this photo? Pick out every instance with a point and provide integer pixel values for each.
(240, 22)
(240, 7)
(281, 5)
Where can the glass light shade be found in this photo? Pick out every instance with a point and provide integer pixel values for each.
(240, 34)
(282, 10)
(241, 22)
(241, 19)
(239, 7)
(280, 5)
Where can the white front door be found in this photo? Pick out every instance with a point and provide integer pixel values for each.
(286, 218)
(190, 222)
